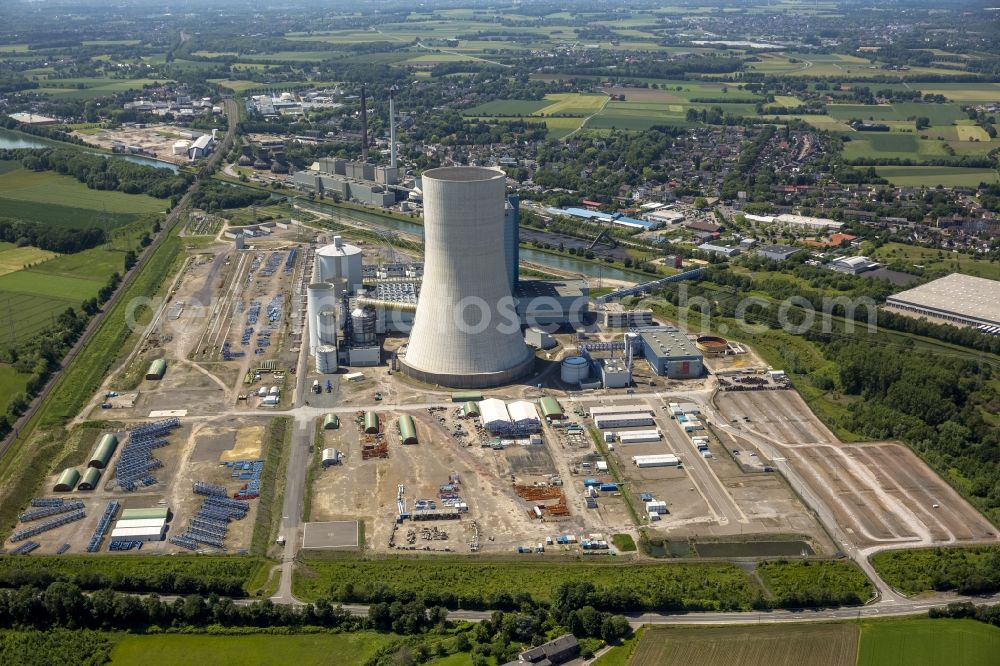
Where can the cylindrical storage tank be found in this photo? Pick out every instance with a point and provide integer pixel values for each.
(90, 479)
(363, 327)
(466, 333)
(371, 423)
(331, 422)
(326, 360)
(326, 324)
(330, 457)
(105, 449)
(320, 297)
(67, 480)
(574, 369)
(407, 429)
(470, 409)
(340, 260)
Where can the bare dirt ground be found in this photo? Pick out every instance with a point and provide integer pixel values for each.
(880, 492)
(155, 140)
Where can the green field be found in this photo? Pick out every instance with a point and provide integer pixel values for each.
(11, 382)
(88, 87)
(247, 650)
(14, 259)
(937, 260)
(573, 104)
(897, 642)
(654, 586)
(49, 188)
(927, 642)
(507, 107)
(938, 114)
(768, 645)
(932, 176)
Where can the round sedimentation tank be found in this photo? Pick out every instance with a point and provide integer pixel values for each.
(712, 345)
(340, 260)
(320, 297)
(363, 327)
(326, 324)
(574, 369)
(466, 332)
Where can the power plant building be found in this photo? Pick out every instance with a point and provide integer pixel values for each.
(466, 332)
(670, 353)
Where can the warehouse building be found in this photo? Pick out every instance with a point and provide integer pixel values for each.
(777, 252)
(407, 429)
(156, 369)
(633, 420)
(963, 300)
(852, 265)
(670, 353)
(551, 409)
(91, 477)
(102, 454)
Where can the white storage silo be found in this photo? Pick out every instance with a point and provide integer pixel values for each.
(466, 333)
(326, 325)
(574, 369)
(326, 360)
(340, 260)
(320, 297)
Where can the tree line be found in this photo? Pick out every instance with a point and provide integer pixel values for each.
(101, 173)
(45, 237)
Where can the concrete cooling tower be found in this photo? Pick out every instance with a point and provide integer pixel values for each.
(466, 333)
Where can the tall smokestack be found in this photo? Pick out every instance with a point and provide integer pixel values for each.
(392, 128)
(364, 126)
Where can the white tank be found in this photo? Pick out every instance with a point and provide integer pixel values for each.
(326, 324)
(320, 296)
(574, 369)
(326, 360)
(466, 332)
(340, 260)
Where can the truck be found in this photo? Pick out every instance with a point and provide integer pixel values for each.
(316, 387)
(280, 540)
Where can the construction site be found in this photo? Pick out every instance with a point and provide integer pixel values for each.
(297, 387)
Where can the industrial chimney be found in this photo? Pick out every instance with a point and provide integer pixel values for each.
(364, 126)
(392, 127)
(466, 333)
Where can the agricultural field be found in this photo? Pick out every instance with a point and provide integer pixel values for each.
(508, 107)
(938, 114)
(927, 642)
(303, 650)
(89, 87)
(932, 176)
(28, 194)
(769, 645)
(13, 259)
(937, 260)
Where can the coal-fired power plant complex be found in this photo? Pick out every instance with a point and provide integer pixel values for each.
(466, 333)
(466, 311)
